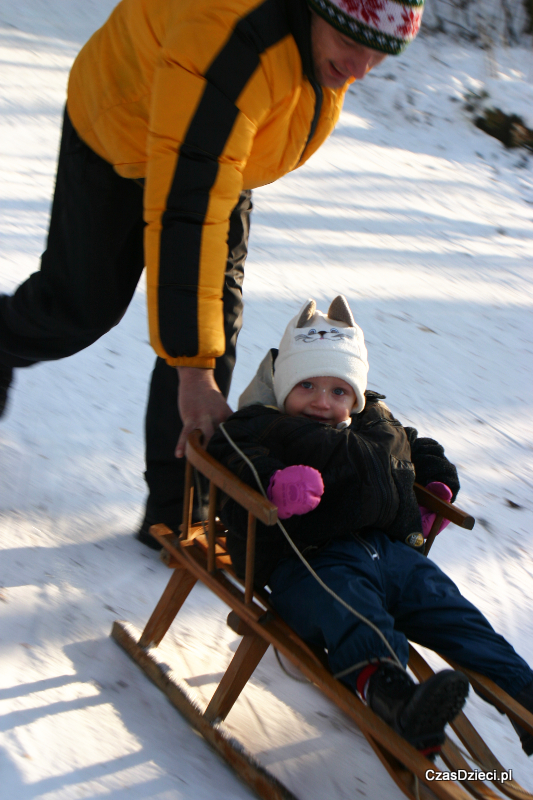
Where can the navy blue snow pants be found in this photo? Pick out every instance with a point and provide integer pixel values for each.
(405, 595)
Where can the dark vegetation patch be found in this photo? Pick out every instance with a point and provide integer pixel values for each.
(510, 129)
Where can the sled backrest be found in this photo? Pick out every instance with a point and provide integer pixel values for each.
(259, 508)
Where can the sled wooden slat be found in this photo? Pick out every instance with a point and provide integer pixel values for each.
(250, 560)
(172, 599)
(435, 528)
(248, 655)
(200, 554)
(211, 527)
(454, 760)
(187, 500)
(498, 696)
(483, 757)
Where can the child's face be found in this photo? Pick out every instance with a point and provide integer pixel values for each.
(325, 399)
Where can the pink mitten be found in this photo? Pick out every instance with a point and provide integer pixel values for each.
(295, 490)
(428, 517)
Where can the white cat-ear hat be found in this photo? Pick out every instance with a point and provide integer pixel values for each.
(318, 345)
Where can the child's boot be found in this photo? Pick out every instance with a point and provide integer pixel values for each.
(418, 712)
(525, 698)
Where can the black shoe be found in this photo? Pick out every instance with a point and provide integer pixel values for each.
(6, 377)
(525, 698)
(144, 535)
(418, 712)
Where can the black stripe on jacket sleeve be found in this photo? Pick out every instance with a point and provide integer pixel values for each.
(196, 172)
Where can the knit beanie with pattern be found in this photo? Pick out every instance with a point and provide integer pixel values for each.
(318, 345)
(384, 25)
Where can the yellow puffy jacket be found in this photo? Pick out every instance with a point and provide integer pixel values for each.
(202, 99)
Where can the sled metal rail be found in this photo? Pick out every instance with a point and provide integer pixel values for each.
(198, 553)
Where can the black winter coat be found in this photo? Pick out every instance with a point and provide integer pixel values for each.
(368, 471)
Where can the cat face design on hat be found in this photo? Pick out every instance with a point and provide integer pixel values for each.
(314, 335)
(322, 345)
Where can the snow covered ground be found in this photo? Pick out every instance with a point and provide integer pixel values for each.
(425, 224)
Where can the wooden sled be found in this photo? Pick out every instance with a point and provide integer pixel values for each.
(199, 553)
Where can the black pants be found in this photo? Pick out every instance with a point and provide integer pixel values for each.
(89, 270)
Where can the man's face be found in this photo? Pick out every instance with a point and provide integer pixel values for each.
(337, 57)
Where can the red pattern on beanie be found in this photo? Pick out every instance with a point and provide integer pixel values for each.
(384, 25)
(366, 11)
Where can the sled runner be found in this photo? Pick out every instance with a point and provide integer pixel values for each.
(198, 552)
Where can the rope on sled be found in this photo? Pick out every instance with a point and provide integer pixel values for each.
(286, 671)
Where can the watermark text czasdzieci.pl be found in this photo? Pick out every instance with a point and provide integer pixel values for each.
(470, 775)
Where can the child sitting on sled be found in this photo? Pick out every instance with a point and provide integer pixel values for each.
(341, 470)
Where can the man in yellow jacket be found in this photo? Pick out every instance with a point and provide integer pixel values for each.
(176, 110)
